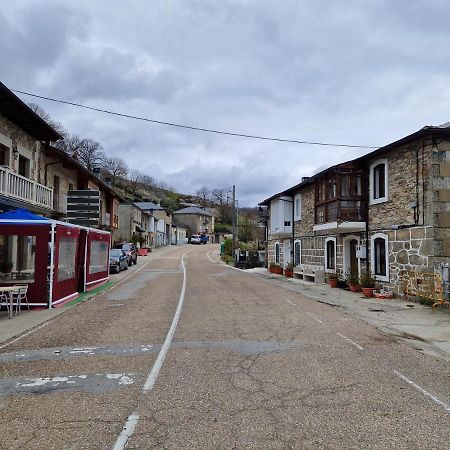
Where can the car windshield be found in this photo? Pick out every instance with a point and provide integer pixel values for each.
(116, 253)
(124, 247)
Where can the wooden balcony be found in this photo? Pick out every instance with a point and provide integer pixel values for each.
(340, 215)
(24, 189)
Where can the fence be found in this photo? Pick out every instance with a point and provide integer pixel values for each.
(425, 285)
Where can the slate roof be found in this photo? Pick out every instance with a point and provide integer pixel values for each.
(194, 210)
(149, 206)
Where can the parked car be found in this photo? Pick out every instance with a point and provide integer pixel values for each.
(130, 250)
(117, 260)
(196, 239)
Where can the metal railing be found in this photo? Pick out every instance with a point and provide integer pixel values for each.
(424, 285)
(24, 189)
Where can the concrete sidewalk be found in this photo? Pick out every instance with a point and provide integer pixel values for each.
(28, 320)
(425, 329)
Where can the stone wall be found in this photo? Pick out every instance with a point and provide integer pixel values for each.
(408, 178)
(409, 249)
(305, 225)
(441, 204)
(14, 137)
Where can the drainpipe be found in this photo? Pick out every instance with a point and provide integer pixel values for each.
(367, 197)
(293, 230)
(46, 167)
(52, 264)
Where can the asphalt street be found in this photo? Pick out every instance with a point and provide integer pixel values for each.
(190, 353)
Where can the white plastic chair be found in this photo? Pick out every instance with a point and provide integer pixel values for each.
(4, 300)
(21, 295)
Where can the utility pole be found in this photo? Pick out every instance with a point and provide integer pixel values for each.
(233, 219)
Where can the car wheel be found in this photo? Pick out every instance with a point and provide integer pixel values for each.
(135, 261)
(126, 266)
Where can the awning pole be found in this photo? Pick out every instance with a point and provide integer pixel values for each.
(52, 263)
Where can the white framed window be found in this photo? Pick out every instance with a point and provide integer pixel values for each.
(379, 256)
(330, 253)
(297, 252)
(277, 253)
(378, 180)
(298, 207)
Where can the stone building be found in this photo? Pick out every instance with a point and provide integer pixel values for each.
(196, 220)
(384, 212)
(39, 177)
(163, 219)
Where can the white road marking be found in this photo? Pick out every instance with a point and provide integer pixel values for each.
(209, 257)
(290, 302)
(126, 432)
(314, 317)
(26, 334)
(133, 419)
(349, 340)
(423, 391)
(153, 375)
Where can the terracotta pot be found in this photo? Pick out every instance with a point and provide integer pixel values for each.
(334, 282)
(279, 271)
(368, 292)
(355, 287)
(288, 273)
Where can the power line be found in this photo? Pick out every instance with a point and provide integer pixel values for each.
(189, 127)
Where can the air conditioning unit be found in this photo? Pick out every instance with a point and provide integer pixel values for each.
(361, 252)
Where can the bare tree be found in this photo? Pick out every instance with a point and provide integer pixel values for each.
(44, 115)
(70, 144)
(204, 194)
(135, 178)
(89, 153)
(116, 167)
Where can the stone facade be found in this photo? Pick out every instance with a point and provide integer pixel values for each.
(414, 220)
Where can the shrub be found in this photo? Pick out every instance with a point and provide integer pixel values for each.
(228, 247)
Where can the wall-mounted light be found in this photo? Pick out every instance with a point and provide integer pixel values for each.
(15, 152)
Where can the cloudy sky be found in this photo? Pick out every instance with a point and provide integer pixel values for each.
(363, 72)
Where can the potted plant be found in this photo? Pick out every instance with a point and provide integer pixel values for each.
(368, 284)
(352, 279)
(333, 279)
(289, 270)
(275, 268)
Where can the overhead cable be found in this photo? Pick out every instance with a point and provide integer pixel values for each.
(189, 127)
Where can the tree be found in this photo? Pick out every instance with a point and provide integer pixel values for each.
(116, 167)
(44, 115)
(204, 194)
(135, 179)
(90, 154)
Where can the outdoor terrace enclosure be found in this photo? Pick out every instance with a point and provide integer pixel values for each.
(55, 259)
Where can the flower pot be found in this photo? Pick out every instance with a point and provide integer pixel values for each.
(368, 292)
(334, 282)
(279, 271)
(288, 273)
(355, 287)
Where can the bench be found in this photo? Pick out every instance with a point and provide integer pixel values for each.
(308, 272)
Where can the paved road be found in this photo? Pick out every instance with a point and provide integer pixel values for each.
(251, 365)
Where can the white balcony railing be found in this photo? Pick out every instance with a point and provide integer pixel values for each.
(24, 189)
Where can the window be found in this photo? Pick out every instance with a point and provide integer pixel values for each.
(297, 253)
(17, 255)
(287, 223)
(4, 155)
(277, 253)
(98, 259)
(380, 256)
(66, 258)
(379, 182)
(298, 207)
(330, 254)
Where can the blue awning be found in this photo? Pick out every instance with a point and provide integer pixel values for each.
(22, 215)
